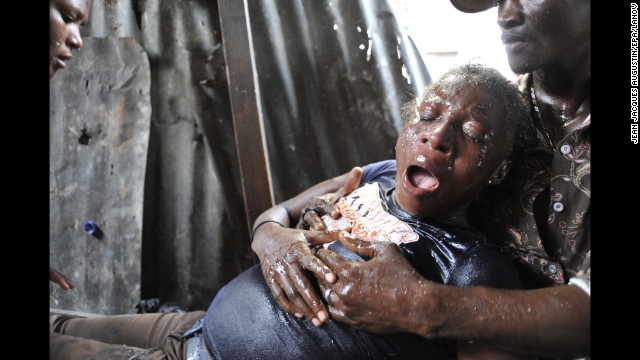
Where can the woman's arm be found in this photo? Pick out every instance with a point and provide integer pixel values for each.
(284, 252)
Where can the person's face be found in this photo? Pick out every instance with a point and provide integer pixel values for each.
(539, 33)
(449, 152)
(65, 19)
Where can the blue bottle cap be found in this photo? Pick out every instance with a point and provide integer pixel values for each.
(89, 227)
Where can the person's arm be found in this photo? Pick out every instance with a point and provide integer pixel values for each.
(61, 280)
(551, 322)
(284, 253)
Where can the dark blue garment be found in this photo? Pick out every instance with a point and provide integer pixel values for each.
(245, 322)
(382, 172)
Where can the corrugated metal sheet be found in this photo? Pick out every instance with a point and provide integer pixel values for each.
(332, 76)
(100, 114)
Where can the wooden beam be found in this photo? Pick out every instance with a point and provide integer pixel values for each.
(245, 107)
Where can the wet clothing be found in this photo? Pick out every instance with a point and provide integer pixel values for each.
(549, 198)
(245, 322)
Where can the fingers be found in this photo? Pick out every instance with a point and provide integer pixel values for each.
(319, 313)
(324, 206)
(319, 269)
(60, 279)
(295, 294)
(332, 260)
(321, 237)
(281, 298)
(313, 220)
(364, 248)
(291, 299)
(352, 183)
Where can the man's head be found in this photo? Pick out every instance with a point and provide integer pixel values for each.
(458, 137)
(65, 19)
(540, 33)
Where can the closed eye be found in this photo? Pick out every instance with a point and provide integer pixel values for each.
(66, 17)
(429, 113)
(475, 132)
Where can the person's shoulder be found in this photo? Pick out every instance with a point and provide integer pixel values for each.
(380, 171)
(485, 264)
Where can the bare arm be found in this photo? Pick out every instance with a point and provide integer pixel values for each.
(545, 322)
(60, 279)
(285, 253)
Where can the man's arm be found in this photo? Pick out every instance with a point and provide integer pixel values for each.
(544, 322)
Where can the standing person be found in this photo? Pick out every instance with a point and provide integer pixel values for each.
(65, 19)
(541, 214)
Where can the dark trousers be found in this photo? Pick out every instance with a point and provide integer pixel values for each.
(138, 336)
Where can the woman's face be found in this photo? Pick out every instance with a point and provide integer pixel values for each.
(65, 19)
(449, 152)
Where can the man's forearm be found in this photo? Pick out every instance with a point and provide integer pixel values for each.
(553, 322)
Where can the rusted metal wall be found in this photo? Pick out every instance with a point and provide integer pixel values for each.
(332, 75)
(100, 113)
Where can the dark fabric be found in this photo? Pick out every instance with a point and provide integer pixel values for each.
(382, 172)
(149, 336)
(244, 321)
(548, 246)
(453, 255)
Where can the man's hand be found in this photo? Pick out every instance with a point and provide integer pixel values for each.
(311, 216)
(60, 279)
(376, 295)
(285, 257)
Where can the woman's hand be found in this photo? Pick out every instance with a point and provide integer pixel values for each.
(311, 216)
(285, 254)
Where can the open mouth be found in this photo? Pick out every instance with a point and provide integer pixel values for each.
(420, 181)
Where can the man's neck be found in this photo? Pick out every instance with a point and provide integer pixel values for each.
(565, 89)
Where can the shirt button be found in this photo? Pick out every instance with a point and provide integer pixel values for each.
(565, 149)
(552, 269)
(558, 207)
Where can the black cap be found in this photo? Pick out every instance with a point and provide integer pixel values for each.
(473, 6)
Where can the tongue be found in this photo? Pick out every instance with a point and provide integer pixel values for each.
(423, 179)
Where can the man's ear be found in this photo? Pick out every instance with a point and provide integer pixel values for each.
(500, 173)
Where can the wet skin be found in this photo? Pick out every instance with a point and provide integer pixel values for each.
(449, 151)
(65, 19)
(540, 32)
(552, 40)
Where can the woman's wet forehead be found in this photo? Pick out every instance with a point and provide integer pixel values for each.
(462, 92)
